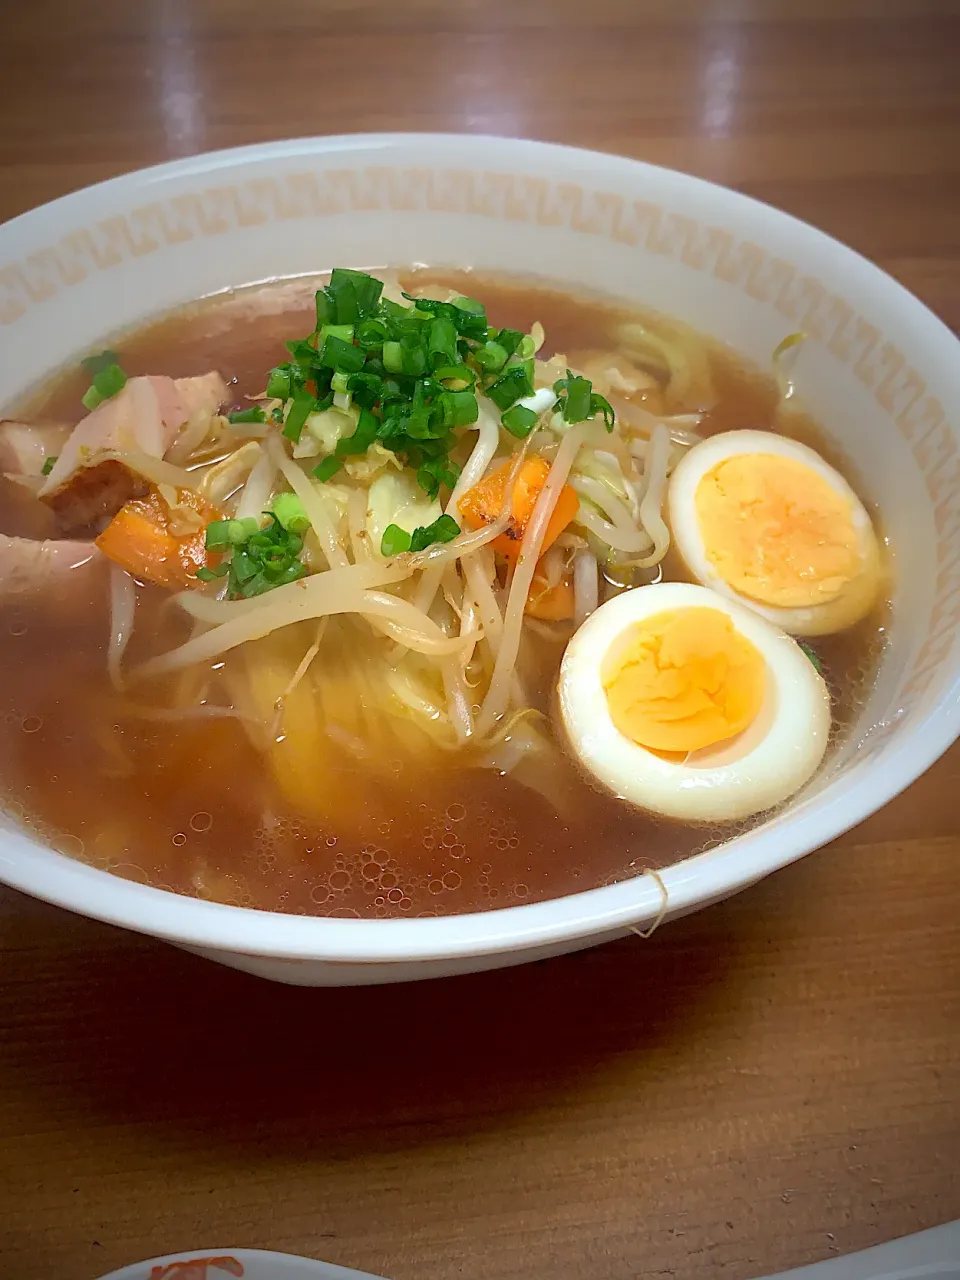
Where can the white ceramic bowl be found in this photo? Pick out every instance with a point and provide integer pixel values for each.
(245, 1264)
(880, 371)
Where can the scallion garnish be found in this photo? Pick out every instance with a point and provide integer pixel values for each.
(396, 540)
(513, 386)
(261, 559)
(519, 421)
(48, 465)
(290, 513)
(212, 575)
(577, 401)
(327, 469)
(303, 405)
(415, 373)
(443, 529)
(102, 360)
(812, 655)
(278, 384)
(253, 414)
(107, 381)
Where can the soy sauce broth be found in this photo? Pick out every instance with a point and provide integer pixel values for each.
(191, 805)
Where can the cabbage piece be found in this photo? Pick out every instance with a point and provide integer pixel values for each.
(321, 431)
(395, 497)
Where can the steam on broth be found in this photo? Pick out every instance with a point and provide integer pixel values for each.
(321, 677)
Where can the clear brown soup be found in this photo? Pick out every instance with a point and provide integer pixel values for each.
(192, 807)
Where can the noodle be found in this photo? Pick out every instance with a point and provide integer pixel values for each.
(498, 694)
(475, 468)
(357, 524)
(480, 573)
(586, 586)
(153, 469)
(358, 577)
(255, 497)
(630, 543)
(224, 478)
(628, 536)
(190, 438)
(123, 603)
(313, 504)
(651, 505)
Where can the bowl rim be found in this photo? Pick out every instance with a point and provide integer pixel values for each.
(594, 913)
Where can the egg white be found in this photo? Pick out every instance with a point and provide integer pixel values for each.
(856, 598)
(760, 767)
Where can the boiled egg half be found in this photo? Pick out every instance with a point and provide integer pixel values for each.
(764, 520)
(691, 705)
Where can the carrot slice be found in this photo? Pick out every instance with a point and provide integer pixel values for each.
(550, 604)
(483, 503)
(138, 539)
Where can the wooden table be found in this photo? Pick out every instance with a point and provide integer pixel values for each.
(768, 1083)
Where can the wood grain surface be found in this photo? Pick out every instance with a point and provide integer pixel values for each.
(765, 1084)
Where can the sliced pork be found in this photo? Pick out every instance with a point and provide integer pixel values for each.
(24, 449)
(89, 483)
(58, 569)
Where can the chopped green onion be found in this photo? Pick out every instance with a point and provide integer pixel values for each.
(342, 331)
(326, 308)
(356, 290)
(576, 403)
(371, 334)
(222, 534)
(600, 404)
(365, 388)
(290, 513)
(511, 387)
(393, 357)
(491, 357)
(254, 414)
(211, 575)
(304, 354)
(103, 360)
(106, 384)
(443, 529)
(442, 340)
(341, 382)
(278, 384)
(362, 438)
(460, 408)
(218, 535)
(456, 373)
(327, 469)
(394, 541)
(519, 421)
(340, 355)
(436, 472)
(510, 340)
(471, 306)
(303, 405)
(48, 465)
(242, 567)
(812, 655)
(262, 558)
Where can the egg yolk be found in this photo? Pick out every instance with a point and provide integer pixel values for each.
(683, 680)
(776, 530)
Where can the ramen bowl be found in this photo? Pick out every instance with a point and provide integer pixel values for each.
(878, 370)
